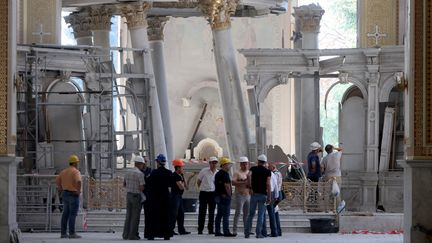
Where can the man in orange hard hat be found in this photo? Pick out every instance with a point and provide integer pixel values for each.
(177, 189)
(69, 185)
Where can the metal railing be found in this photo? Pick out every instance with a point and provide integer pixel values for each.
(308, 196)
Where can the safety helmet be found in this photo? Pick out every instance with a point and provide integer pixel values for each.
(73, 159)
(243, 159)
(262, 158)
(178, 162)
(224, 160)
(161, 158)
(315, 146)
(213, 158)
(139, 159)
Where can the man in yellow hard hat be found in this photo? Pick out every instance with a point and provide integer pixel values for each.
(223, 192)
(69, 184)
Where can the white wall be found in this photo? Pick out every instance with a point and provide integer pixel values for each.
(190, 64)
(352, 134)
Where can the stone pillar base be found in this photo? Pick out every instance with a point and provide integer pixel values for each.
(417, 200)
(10, 234)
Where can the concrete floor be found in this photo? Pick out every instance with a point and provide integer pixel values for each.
(286, 238)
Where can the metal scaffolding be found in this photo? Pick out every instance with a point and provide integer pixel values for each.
(105, 103)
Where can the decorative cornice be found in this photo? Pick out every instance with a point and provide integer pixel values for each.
(179, 4)
(218, 12)
(100, 17)
(136, 14)
(80, 23)
(309, 17)
(156, 28)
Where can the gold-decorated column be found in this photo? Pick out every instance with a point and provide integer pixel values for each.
(418, 122)
(218, 14)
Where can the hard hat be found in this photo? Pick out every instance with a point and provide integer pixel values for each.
(224, 160)
(243, 159)
(161, 158)
(178, 162)
(262, 157)
(139, 159)
(73, 159)
(213, 159)
(315, 146)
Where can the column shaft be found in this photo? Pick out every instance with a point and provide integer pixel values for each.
(156, 26)
(234, 110)
(307, 107)
(418, 122)
(137, 23)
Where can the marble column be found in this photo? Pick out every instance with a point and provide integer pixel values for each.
(309, 111)
(372, 119)
(418, 122)
(80, 24)
(136, 16)
(156, 37)
(218, 13)
(100, 26)
(297, 41)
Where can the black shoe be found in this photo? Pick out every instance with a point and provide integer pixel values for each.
(211, 233)
(185, 233)
(230, 235)
(218, 234)
(200, 232)
(150, 238)
(167, 238)
(174, 233)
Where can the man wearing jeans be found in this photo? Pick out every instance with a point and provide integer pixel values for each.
(260, 184)
(206, 185)
(69, 184)
(223, 191)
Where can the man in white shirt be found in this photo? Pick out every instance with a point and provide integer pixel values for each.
(206, 185)
(331, 166)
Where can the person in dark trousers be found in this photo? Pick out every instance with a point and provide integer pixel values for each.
(146, 170)
(134, 186)
(260, 184)
(178, 187)
(223, 192)
(69, 185)
(159, 183)
(313, 162)
(206, 186)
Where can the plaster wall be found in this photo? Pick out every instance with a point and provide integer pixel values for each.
(191, 73)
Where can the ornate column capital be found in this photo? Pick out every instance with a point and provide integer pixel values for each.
(100, 17)
(156, 27)
(218, 12)
(309, 17)
(80, 23)
(136, 14)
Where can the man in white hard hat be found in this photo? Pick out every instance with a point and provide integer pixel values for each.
(242, 192)
(313, 162)
(260, 183)
(134, 186)
(206, 186)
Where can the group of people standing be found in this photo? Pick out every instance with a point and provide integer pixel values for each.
(258, 187)
(159, 192)
(328, 169)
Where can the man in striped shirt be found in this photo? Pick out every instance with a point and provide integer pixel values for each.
(134, 186)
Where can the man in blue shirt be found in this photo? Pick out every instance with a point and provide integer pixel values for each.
(313, 160)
